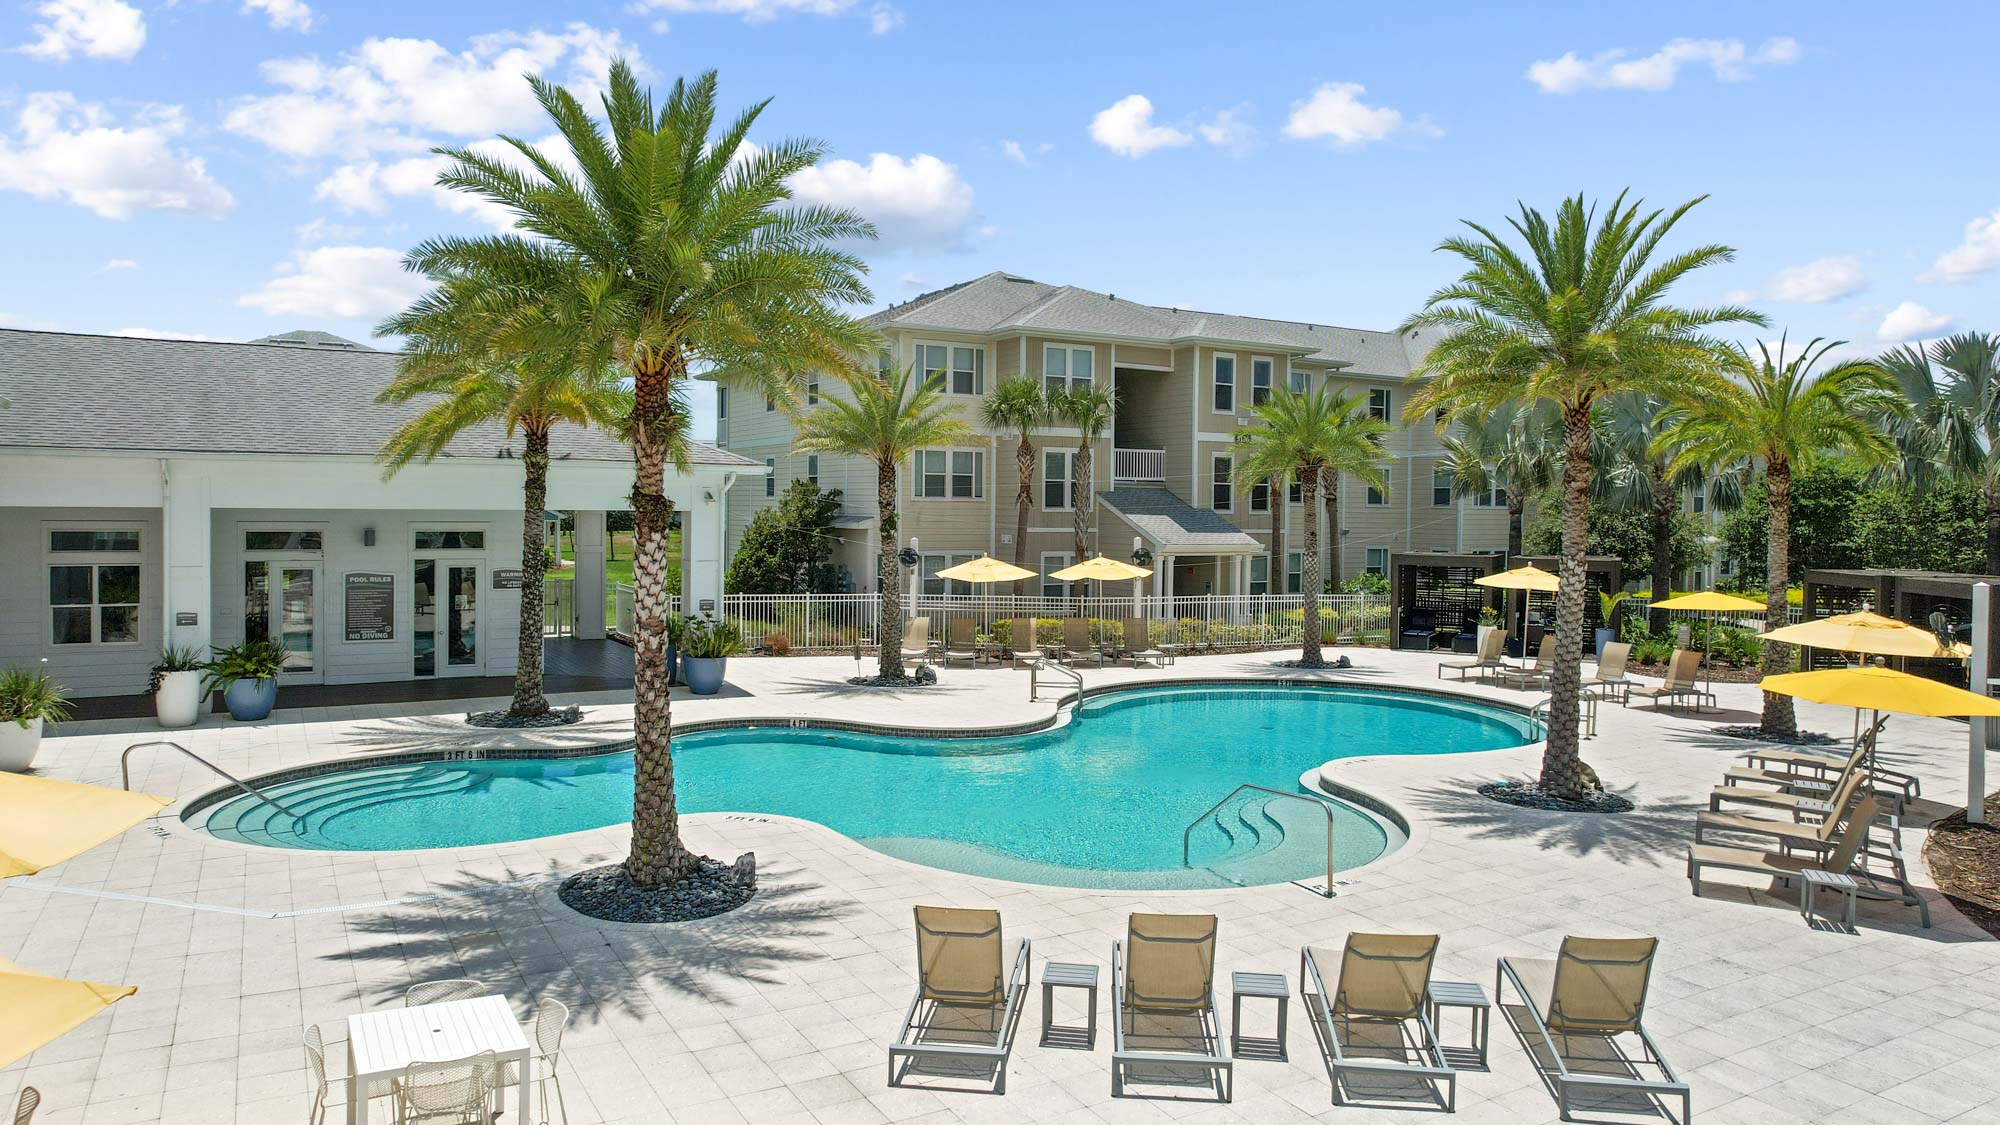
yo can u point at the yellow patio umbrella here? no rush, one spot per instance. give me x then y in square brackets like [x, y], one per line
[35, 1009]
[1529, 578]
[985, 570]
[44, 821]
[1883, 689]
[1712, 602]
[1866, 632]
[1101, 569]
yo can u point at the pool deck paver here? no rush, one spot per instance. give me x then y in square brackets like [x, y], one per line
[781, 1011]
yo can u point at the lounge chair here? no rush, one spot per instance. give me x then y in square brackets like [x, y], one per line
[1813, 802]
[1487, 658]
[1849, 857]
[1164, 1025]
[1593, 992]
[1610, 672]
[1541, 672]
[1077, 645]
[964, 641]
[1679, 684]
[1138, 645]
[1021, 640]
[1375, 1033]
[961, 1022]
[917, 640]
[1805, 768]
[1791, 832]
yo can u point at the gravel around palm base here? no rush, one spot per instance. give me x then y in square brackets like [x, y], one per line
[554, 717]
[606, 893]
[1531, 796]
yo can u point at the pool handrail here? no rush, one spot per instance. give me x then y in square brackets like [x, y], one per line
[1068, 672]
[125, 771]
[1187, 834]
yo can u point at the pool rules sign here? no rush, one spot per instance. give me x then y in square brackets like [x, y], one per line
[371, 607]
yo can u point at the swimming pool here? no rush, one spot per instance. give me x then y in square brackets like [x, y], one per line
[1099, 802]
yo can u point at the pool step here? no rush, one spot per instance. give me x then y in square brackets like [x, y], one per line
[318, 801]
[1261, 838]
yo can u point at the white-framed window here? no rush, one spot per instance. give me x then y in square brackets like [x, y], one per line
[1225, 384]
[1261, 370]
[812, 389]
[1378, 561]
[1295, 572]
[1495, 497]
[885, 361]
[721, 401]
[1295, 492]
[1725, 567]
[1379, 497]
[933, 562]
[1058, 478]
[436, 539]
[959, 369]
[1222, 475]
[1052, 561]
[1441, 481]
[770, 476]
[812, 468]
[1700, 502]
[1300, 380]
[1379, 403]
[950, 474]
[770, 404]
[94, 585]
[306, 539]
[1066, 369]
[1260, 496]
[1260, 574]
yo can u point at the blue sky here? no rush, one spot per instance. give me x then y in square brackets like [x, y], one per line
[227, 169]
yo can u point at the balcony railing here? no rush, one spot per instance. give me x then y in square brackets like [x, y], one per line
[1139, 465]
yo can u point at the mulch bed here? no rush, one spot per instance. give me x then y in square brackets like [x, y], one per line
[1964, 861]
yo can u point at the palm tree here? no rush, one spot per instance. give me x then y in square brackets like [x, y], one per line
[1638, 471]
[478, 358]
[1781, 413]
[1018, 406]
[893, 415]
[1329, 487]
[1513, 448]
[1581, 316]
[1310, 435]
[1952, 428]
[1090, 409]
[666, 244]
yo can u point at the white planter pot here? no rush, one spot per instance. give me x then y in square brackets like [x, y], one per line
[18, 744]
[178, 701]
[1483, 630]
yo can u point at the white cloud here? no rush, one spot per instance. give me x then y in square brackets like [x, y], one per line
[921, 203]
[100, 29]
[884, 18]
[1336, 111]
[319, 232]
[75, 151]
[1909, 320]
[910, 281]
[1979, 253]
[1126, 128]
[396, 94]
[285, 15]
[1020, 154]
[1816, 282]
[169, 334]
[117, 265]
[347, 282]
[11, 320]
[1229, 128]
[1728, 59]
[368, 186]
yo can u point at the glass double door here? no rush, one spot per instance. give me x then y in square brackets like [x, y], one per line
[445, 624]
[281, 602]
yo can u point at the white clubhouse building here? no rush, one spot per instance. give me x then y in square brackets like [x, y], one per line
[158, 492]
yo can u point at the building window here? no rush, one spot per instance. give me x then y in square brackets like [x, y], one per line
[1700, 502]
[1491, 498]
[1725, 567]
[812, 389]
[950, 474]
[1054, 589]
[770, 476]
[1223, 473]
[284, 540]
[770, 404]
[1260, 496]
[721, 401]
[1260, 381]
[1066, 369]
[450, 540]
[959, 370]
[1378, 560]
[94, 587]
[885, 361]
[1378, 404]
[812, 468]
[1441, 487]
[1295, 572]
[1295, 493]
[1225, 384]
[1300, 380]
[1260, 574]
[932, 563]
[1379, 497]
[1058, 473]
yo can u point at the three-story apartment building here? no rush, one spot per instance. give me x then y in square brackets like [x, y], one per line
[1164, 474]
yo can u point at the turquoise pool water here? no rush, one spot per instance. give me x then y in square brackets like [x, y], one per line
[1100, 802]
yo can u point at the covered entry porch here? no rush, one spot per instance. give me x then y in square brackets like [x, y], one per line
[1194, 552]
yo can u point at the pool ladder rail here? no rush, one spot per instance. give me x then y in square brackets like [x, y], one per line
[1187, 834]
[125, 771]
[1068, 673]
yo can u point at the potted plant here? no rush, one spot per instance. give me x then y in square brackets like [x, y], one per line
[677, 631]
[1489, 620]
[176, 685]
[29, 700]
[247, 675]
[705, 653]
[1607, 631]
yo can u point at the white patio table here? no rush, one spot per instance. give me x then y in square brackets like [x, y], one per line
[381, 1044]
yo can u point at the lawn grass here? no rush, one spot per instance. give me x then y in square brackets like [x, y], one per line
[617, 567]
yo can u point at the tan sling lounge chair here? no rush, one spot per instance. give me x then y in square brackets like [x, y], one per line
[1139, 646]
[1021, 640]
[1580, 1004]
[917, 640]
[1484, 661]
[1375, 1032]
[1791, 831]
[1540, 672]
[1680, 682]
[1848, 859]
[1164, 1027]
[961, 1022]
[964, 641]
[1610, 672]
[1077, 645]
[1804, 769]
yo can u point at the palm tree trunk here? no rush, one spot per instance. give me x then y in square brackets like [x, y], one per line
[1993, 526]
[888, 580]
[1024, 461]
[1274, 569]
[1562, 767]
[1517, 507]
[529, 701]
[1309, 580]
[1079, 500]
[1333, 567]
[1779, 717]
[658, 856]
[1665, 504]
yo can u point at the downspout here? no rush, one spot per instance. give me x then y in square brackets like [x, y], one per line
[166, 556]
[722, 544]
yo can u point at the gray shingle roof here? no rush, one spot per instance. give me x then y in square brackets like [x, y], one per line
[1004, 303]
[69, 391]
[1172, 522]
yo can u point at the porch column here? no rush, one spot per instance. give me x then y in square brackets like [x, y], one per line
[701, 580]
[589, 570]
[185, 557]
[1164, 585]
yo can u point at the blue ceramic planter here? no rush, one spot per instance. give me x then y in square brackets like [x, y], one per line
[250, 700]
[704, 673]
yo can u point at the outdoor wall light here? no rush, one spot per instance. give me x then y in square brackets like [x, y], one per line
[707, 497]
[367, 537]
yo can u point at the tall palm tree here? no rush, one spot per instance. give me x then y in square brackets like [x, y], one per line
[1513, 447]
[1781, 413]
[1090, 408]
[667, 243]
[1329, 488]
[1578, 314]
[1274, 563]
[1638, 471]
[1953, 425]
[1310, 435]
[1017, 406]
[479, 358]
[893, 415]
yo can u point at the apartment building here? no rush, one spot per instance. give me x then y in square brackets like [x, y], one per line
[1165, 473]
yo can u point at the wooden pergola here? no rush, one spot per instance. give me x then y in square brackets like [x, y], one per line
[1437, 587]
[1906, 595]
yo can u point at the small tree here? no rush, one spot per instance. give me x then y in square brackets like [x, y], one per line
[1090, 409]
[788, 549]
[1017, 406]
